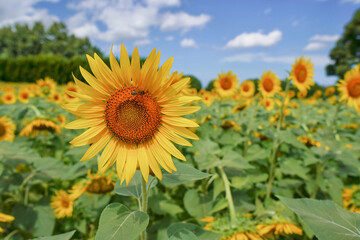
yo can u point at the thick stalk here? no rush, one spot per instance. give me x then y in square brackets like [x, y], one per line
[144, 205]
[276, 143]
[229, 198]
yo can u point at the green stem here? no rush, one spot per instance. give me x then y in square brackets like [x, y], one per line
[276, 143]
[144, 204]
[228, 197]
[8, 237]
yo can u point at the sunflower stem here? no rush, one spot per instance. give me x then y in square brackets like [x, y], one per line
[229, 198]
[276, 143]
[144, 204]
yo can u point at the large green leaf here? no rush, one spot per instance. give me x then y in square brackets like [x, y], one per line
[118, 222]
[64, 236]
[197, 204]
[45, 222]
[197, 231]
[288, 137]
[327, 220]
[184, 174]
[134, 187]
[183, 234]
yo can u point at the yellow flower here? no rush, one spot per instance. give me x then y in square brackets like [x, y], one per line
[247, 89]
[8, 98]
[302, 94]
[40, 126]
[239, 108]
[349, 88]
[7, 129]
[62, 204]
[226, 84]
[302, 74]
[208, 219]
[208, 99]
[281, 228]
[62, 120]
[70, 87]
[230, 124]
[55, 97]
[329, 91]
[5, 218]
[243, 236]
[45, 87]
[353, 126]
[308, 141]
[268, 104]
[269, 84]
[24, 95]
[133, 113]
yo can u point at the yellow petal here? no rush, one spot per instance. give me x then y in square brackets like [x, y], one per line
[135, 67]
[125, 66]
[143, 162]
[179, 111]
[182, 131]
[179, 121]
[131, 163]
[174, 137]
[84, 123]
[166, 144]
[86, 137]
[120, 161]
[106, 154]
[96, 147]
[153, 163]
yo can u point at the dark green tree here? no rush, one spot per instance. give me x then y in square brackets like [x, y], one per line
[346, 53]
[22, 40]
[210, 85]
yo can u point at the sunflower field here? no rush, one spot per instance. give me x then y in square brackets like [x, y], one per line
[133, 152]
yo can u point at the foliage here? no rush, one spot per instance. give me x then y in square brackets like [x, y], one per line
[194, 82]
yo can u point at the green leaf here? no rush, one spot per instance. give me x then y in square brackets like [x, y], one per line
[327, 220]
[293, 166]
[207, 153]
[64, 236]
[289, 138]
[197, 204]
[118, 222]
[197, 231]
[183, 234]
[134, 187]
[162, 204]
[185, 173]
[45, 222]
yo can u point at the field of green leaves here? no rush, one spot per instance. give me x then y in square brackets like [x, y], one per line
[285, 166]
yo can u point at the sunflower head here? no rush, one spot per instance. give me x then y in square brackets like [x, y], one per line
[268, 104]
[133, 113]
[7, 129]
[329, 91]
[302, 94]
[302, 74]
[269, 84]
[38, 126]
[208, 99]
[247, 89]
[45, 87]
[24, 95]
[99, 183]
[8, 97]
[62, 204]
[349, 87]
[226, 84]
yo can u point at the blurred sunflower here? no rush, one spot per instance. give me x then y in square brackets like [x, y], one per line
[62, 120]
[268, 104]
[302, 94]
[8, 97]
[70, 86]
[63, 204]
[278, 229]
[269, 84]
[40, 126]
[133, 113]
[208, 99]
[302, 74]
[329, 91]
[55, 97]
[45, 87]
[309, 142]
[7, 129]
[24, 94]
[247, 89]
[5, 218]
[349, 87]
[226, 84]
[351, 198]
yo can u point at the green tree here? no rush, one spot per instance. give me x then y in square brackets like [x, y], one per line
[22, 40]
[346, 53]
[194, 82]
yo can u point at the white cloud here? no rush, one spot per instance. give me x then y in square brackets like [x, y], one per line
[142, 42]
[20, 11]
[182, 21]
[119, 20]
[188, 42]
[255, 39]
[169, 38]
[295, 23]
[267, 11]
[325, 38]
[313, 46]
[352, 1]
[318, 60]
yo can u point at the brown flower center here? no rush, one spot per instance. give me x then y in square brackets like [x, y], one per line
[353, 87]
[132, 115]
[246, 87]
[225, 83]
[101, 185]
[268, 84]
[301, 73]
[25, 95]
[2, 130]
[65, 203]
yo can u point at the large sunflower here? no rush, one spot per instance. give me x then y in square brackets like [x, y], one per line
[7, 129]
[247, 89]
[349, 87]
[302, 74]
[226, 84]
[133, 113]
[269, 84]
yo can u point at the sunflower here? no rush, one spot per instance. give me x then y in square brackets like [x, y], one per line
[302, 94]
[226, 84]
[227, 124]
[62, 120]
[349, 87]
[40, 126]
[243, 236]
[8, 97]
[133, 113]
[269, 84]
[63, 204]
[247, 89]
[7, 129]
[5, 218]
[302, 74]
[71, 87]
[45, 87]
[280, 228]
[268, 104]
[208, 99]
[24, 95]
[317, 93]
[329, 91]
[55, 97]
[308, 141]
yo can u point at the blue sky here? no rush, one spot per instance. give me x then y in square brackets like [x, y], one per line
[205, 37]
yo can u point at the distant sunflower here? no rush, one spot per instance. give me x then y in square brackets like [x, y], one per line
[349, 87]
[55, 97]
[208, 99]
[247, 89]
[302, 74]
[45, 87]
[269, 84]
[329, 91]
[7, 129]
[8, 97]
[70, 86]
[63, 204]
[226, 84]
[5, 218]
[40, 126]
[277, 229]
[133, 113]
[24, 95]
[302, 94]
[268, 104]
